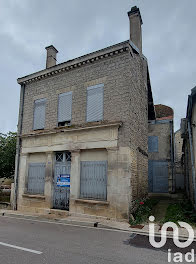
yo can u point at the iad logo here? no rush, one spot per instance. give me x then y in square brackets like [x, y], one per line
[178, 257]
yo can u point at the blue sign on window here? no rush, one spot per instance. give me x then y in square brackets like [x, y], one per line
[63, 180]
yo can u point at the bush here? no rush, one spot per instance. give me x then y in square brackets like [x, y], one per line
[143, 211]
[181, 211]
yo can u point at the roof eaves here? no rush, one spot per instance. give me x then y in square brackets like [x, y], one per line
[77, 62]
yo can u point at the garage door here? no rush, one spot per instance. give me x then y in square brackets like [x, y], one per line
[158, 176]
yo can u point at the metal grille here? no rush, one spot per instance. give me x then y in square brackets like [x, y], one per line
[39, 114]
[65, 107]
[61, 195]
[152, 144]
[93, 180]
[36, 178]
[59, 157]
[95, 103]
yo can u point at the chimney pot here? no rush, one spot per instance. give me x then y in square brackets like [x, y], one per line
[135, 20]
[51, 56]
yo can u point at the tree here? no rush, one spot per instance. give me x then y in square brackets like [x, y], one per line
[7, 154]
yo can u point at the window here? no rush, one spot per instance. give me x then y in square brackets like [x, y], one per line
[64, 108]
[36, 178]
[39, 114]
[95, 103]
[93, 180]
[63, 156]
[152, 144]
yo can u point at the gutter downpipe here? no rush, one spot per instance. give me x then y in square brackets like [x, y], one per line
[18, 146]
[192, 161]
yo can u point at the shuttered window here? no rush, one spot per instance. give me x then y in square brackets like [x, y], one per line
[93, 180]
[36, 178]
[65, 107]
[152, 144]
[39, 114]
[95, 103]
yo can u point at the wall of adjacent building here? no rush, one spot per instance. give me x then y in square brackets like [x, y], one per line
[162, 129]
[179, 173]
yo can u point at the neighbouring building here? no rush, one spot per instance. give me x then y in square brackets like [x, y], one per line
[179, 173]
[161, 151]
[188, 133]
[83, 131]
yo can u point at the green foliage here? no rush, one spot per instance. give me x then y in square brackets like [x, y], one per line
[143, 211]
[174, 213]
[181, 211]
[7, 154]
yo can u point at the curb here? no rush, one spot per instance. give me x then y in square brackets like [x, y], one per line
[58, 220]
[84, 224]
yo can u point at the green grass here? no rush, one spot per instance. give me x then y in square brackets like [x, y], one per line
[181, 211]
[143, 211]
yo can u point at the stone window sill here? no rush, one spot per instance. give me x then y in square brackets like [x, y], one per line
[36, 196]
[91, 201]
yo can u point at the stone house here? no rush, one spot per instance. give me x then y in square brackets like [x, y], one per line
[188, 133]
[83, 131]
[161, 177]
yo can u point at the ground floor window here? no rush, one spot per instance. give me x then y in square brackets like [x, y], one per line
[93, 180]
[36, 178]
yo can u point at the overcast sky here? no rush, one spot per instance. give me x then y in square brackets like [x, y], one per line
[77, 27]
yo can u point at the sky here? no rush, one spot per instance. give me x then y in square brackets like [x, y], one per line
[77, 27]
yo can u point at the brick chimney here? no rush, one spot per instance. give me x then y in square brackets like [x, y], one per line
[51, 56]
[135, 20]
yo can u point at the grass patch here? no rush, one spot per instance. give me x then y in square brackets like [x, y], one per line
[143, 211]
[181, 211]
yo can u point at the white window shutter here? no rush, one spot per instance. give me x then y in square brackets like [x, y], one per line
[39, 114]
[95, 103]
[65, 107]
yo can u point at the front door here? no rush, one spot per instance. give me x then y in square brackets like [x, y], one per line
[62, 180]
[158, 176]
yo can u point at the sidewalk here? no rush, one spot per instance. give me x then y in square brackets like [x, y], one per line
[86, 221]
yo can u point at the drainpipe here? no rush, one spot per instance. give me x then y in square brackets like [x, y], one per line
[18, 145]
[192, 161]
[172, 155]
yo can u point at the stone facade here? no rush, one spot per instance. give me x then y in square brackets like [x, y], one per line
[120, 139]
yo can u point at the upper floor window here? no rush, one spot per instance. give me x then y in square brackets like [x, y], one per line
[39, 114]
[152, 144]
[64, 108]
[95, 103]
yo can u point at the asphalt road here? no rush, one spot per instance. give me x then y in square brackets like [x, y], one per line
[30, 242]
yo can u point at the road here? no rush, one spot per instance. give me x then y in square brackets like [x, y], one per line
[29, 242]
